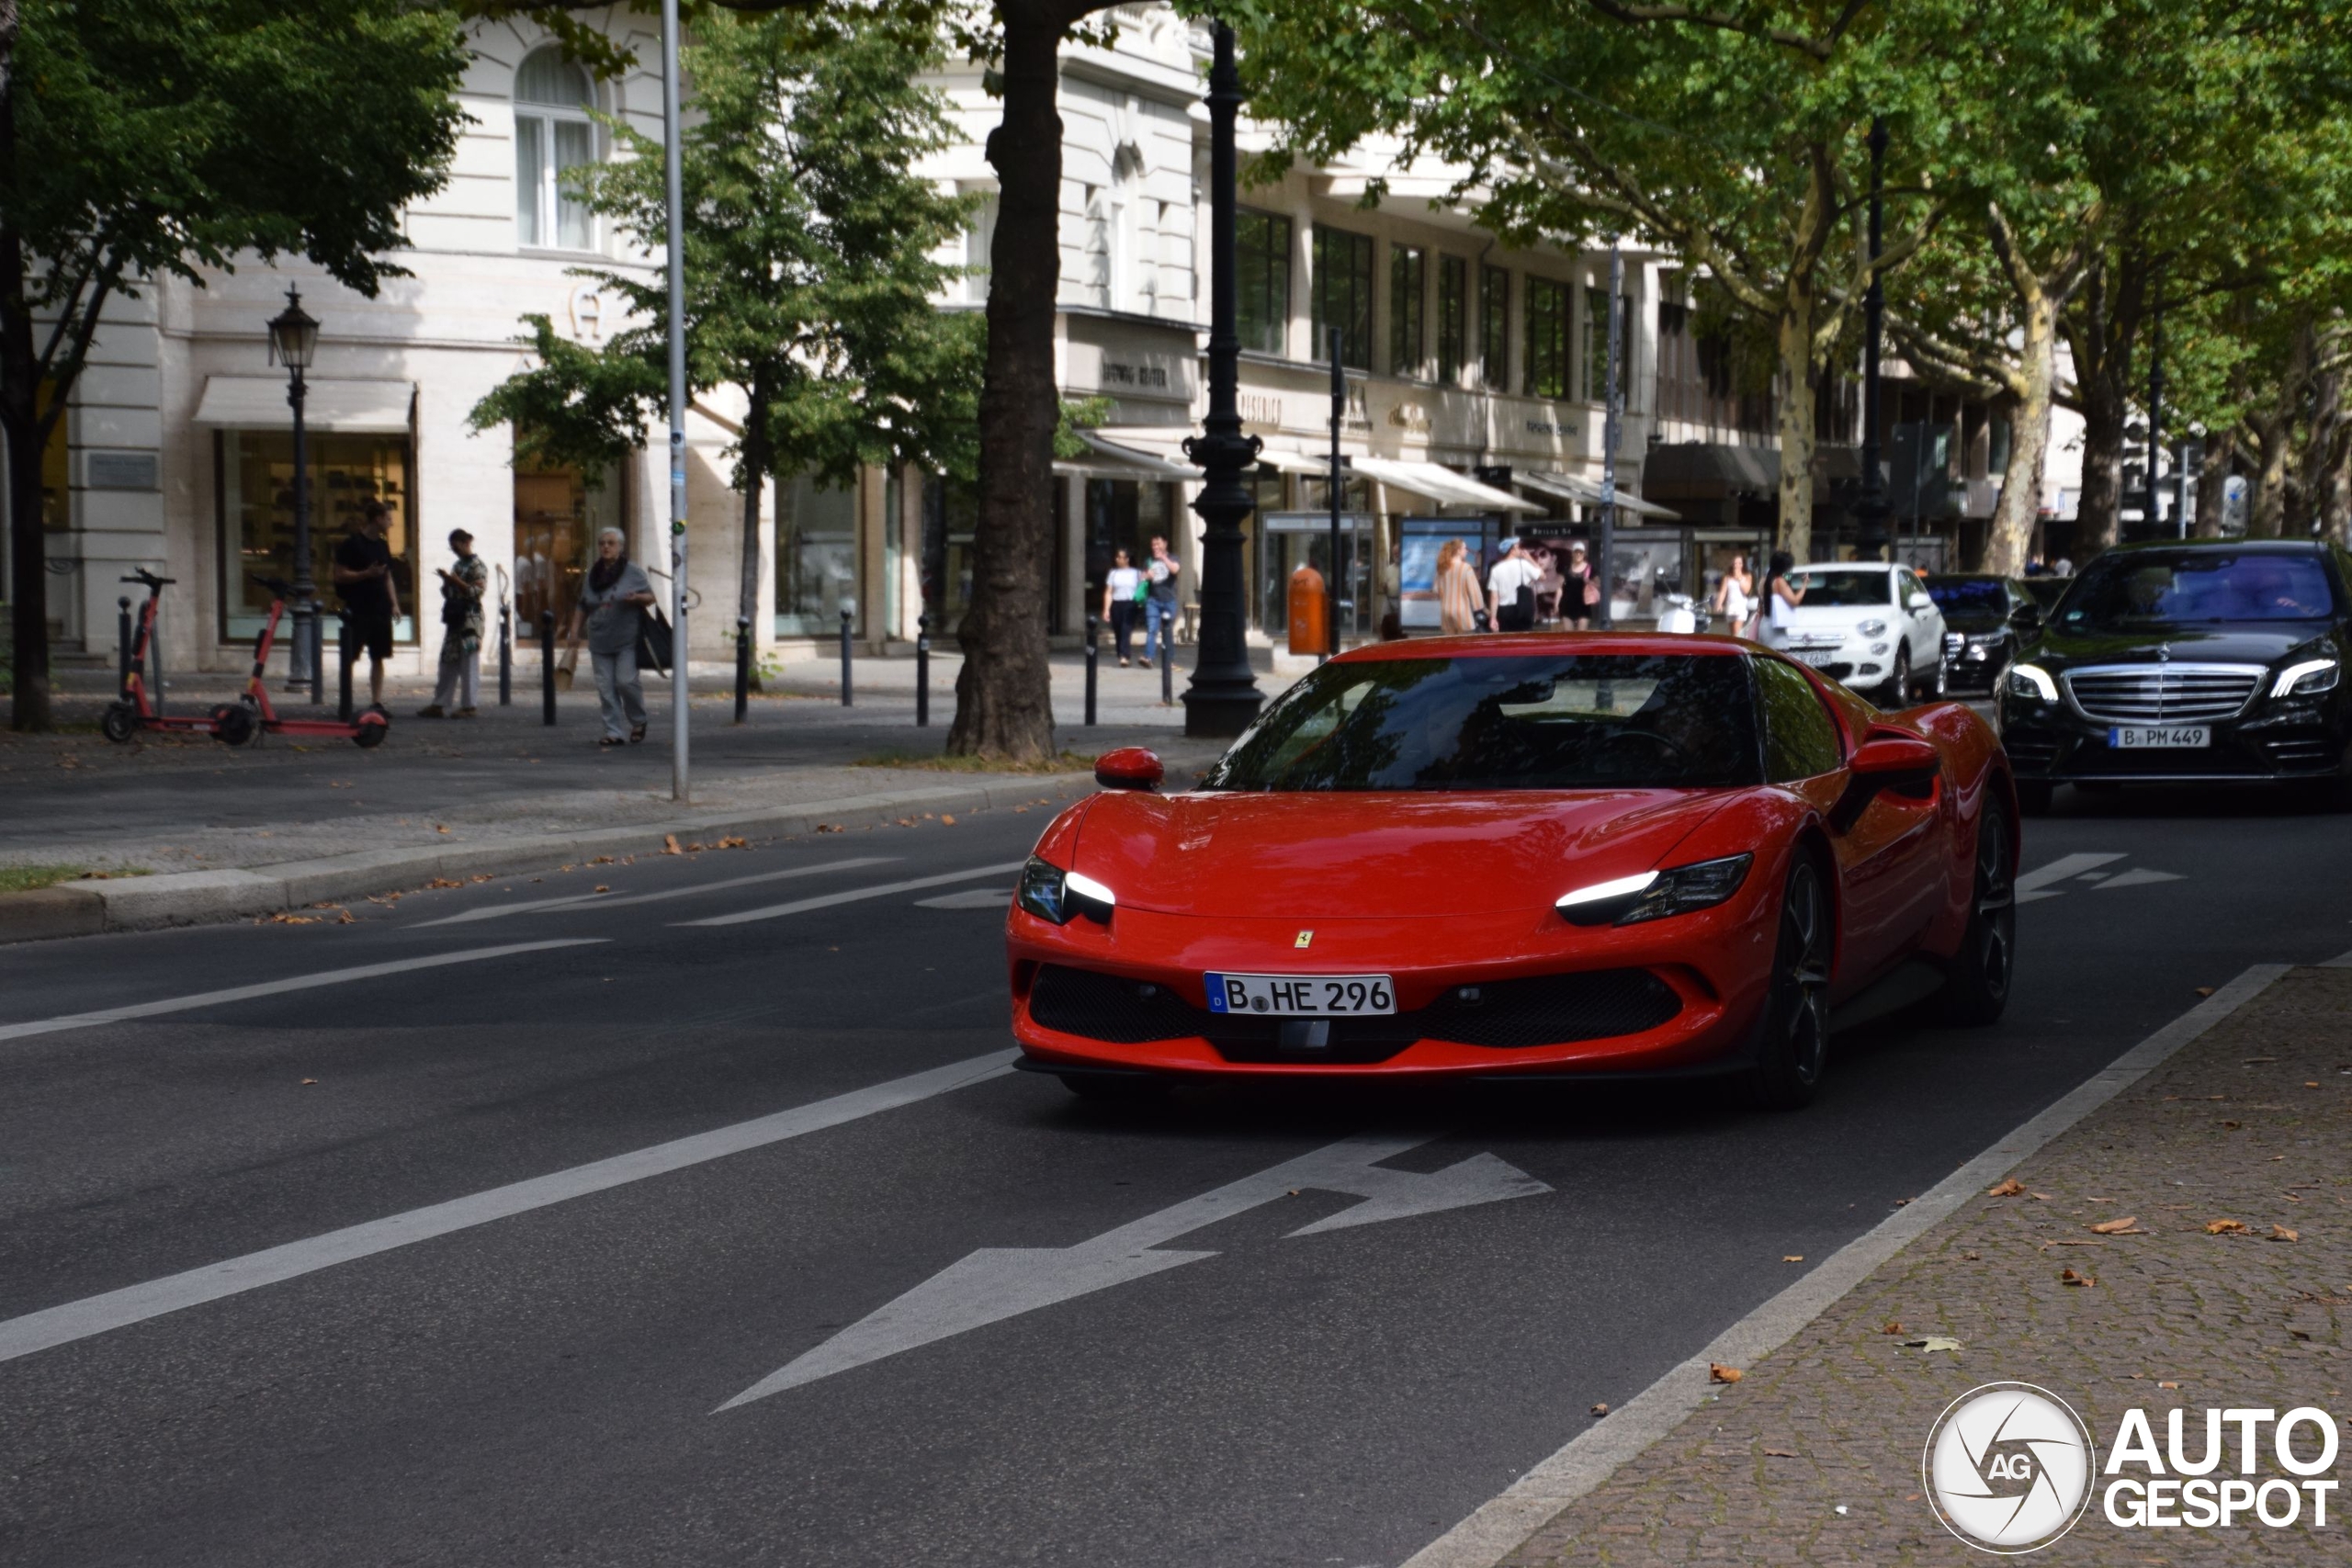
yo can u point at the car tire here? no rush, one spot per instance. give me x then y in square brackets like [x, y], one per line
[2033, 796]
[1794, 1038]
[1977, 982]
[1896, 693]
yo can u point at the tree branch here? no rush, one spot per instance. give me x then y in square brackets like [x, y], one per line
[1725, 21]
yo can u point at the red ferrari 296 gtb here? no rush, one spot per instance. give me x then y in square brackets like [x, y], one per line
[1582, 855]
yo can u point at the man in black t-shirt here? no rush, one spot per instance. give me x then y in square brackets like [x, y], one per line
[363, 578]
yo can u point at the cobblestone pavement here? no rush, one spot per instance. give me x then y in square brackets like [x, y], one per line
[1814, 1456]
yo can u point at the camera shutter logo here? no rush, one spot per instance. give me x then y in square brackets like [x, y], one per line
[2008, 1468]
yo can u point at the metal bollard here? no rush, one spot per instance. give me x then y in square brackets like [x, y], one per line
[922, 670]
[348, 656]
[547, 666]
[1093, 629]
[123, 638]
[318, 663]
[742, 667]
[1167, 668]
[505, 655]
[845, 658]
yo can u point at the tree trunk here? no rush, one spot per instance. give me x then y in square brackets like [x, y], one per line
[1005, 692]
[2323, 443]
[2009, 540]
[2272, 446]
[20, 423]
[2101, 325]
[2214, 483]
[2098, 515]
[1793, 382]
[752, 472]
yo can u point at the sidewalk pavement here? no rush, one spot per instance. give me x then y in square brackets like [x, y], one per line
[220, 832]
[2233, 1290]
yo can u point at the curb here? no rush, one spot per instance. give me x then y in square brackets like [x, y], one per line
[192, 898]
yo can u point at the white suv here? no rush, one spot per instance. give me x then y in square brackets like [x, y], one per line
[1869, 625]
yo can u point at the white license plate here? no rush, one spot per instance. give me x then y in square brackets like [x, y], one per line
[1301, 995]
[2138, 736]
[1816, 657]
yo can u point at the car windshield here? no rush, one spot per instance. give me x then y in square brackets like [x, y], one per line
[1591, 721]
[2151, 588]
[1833, 590]
[1968, 595]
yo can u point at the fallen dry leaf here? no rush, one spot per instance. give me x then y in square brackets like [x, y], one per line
[2250, 1061]
[1793, 1257]
[602, 860]
[478, 876]
[732, 842]
[1970, 1258]
[2204, 990]
[602, 888]
[443, 882]
[1602, 1409]
[2280, 1232]
[2231, 1127]
[1891, 1326]
[2167, 1385]
[2118, 1228]
[947, 821]
[310, 1080]
[669, 844]
[2224, 1228]
[1718, 1372]
[830, 828]
[1782, 1453]
[1932, 1343]
[2010, 1189]
[2068, 1277]
[438, 828]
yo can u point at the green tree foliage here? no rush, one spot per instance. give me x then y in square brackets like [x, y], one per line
[141, 138]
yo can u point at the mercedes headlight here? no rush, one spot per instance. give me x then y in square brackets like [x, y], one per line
[1872, 628]
[1654, 895]
[2308, 679]
[2032, 681]
[1052, 894]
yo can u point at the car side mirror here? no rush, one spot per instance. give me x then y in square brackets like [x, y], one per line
[1129, 767]
[2027, 617]
[1888, 762]
[1921, 601]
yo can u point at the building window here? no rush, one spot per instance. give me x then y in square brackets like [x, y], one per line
[1680, 387]
[1408, 271]
[1547, 364]
[980, 246]
[552, 135]
[1133, 281]
[1494, 327]
[1596, 345]
[1262, 255]
[1344, 295]
[1453, 316]
[56, 467]
[257, 521]
[816, 557]
[951, 518]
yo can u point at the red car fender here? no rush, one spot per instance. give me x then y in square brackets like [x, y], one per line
[1774, 825]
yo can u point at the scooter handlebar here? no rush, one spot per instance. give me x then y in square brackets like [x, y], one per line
[141, 575]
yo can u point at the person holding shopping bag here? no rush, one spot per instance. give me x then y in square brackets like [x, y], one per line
[614, 596]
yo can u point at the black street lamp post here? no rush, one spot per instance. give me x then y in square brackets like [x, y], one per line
[1869, 512]
[2155, 399]
[1338, 485]
[293, 342]
[1222, 697]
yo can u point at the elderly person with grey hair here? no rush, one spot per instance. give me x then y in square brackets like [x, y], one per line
[614, 597]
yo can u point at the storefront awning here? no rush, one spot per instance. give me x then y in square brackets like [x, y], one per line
[1584, 492]
[1431, 480]
[1110, 460]
[259, 402]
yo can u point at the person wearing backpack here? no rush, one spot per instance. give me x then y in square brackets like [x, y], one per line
[1123, 596]
[1511, 587]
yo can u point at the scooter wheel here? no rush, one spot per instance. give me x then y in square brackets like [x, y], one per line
[370, 731]
[118, 723]
[233, 724]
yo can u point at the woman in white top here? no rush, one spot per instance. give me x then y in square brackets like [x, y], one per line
[1780, 599]
[1736, 596]
[1122, 590]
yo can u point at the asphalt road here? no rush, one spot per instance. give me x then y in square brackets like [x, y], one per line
[1147, 1363]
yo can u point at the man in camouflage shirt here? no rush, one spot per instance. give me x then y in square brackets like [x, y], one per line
[461, 595]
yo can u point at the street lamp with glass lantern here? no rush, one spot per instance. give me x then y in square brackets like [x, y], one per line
[294, 343]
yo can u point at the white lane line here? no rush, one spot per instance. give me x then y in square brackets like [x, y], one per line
[970, 898]
[2036, 884]
[274, 987]
[136, 1304]
[1504, 1523]
[883, 891]
[606, 901]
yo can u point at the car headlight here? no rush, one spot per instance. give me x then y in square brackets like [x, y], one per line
[1052, 894]
[1988, 639]
[2032, 681]
[2308, 679]
[1872, 628]
[1654, 895]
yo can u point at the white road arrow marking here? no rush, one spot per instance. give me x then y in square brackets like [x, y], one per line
[2140, 878]
[2036, 884]
[995, 1283]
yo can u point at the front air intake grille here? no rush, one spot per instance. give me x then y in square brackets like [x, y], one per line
[1546, 1010]
[2302, 753]
[2163, 694]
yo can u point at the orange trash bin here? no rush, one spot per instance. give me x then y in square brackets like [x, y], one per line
[1309, 629]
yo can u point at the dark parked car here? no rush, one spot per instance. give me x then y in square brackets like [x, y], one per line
[2212, 660]
[2046, 590]
[1986, 620]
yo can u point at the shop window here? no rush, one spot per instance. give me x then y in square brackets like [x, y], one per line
[816, 557]
[980, 247]
[1453, 316]
[1596, 345]
[1545, 364]
[257, 520]
[1344, 295]
[558, 514]
[552, 135]
[1408, 271]
[1494, 327]
[951, 513]
[56, 471]
[1261, 268]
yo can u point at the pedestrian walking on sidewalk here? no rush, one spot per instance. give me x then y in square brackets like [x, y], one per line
[614, 597]
[461, 590]
[1159, 604]
[1123, 590]
[369, 591]
[1457, 590]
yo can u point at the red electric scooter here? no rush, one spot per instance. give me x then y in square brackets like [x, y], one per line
[237, 723]
[137, 708]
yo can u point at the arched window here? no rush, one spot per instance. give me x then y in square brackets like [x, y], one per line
[552, 133]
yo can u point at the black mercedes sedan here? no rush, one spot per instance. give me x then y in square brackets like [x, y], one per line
[1986, 620]
[2196, 660]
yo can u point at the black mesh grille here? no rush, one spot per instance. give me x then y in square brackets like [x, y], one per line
[1548, 1010]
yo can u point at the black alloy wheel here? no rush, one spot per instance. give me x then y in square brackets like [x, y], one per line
[1796, 1043]
[234, 724]
[1976, 984]
[1898, 685]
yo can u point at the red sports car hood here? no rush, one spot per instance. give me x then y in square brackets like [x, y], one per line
[1316, 855]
